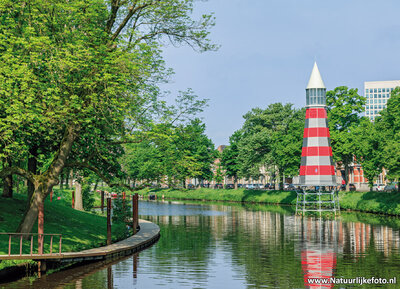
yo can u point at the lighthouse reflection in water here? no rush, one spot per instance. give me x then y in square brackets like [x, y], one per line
[318, 243]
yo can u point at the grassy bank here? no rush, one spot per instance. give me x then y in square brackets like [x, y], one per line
[80, 230]
[373, 202]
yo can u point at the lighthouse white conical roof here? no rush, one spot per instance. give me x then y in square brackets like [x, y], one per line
[315, 78]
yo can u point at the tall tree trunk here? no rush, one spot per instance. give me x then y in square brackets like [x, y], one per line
[31, 213]
[32, 167]
[61, 181]
[71, 179]
[8, 182]
[235, 182]
[78, 196]
[346, 176]
[67, 180]
[45, 182]
[97, 183]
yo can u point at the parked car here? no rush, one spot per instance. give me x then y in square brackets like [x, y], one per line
[390, 188]
[229, 186]
[257, 186]
[205, 185]
[191, 186]
[378, 187]
[249, 186]
[218, 186]
[267, 186]
[288, 187]
[352, 187]
[240, 185]
[114, 195]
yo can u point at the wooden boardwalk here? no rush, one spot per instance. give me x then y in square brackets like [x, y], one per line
[149, 233]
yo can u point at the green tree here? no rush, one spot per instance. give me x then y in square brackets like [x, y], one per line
[272, 137]
[344, 106]
[80, 73]
[389, 126]
[219, 174]
[190, 153]
[369, 149]
[229, 159]
[143, 161]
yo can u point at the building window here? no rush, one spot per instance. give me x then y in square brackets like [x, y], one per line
[374, 90]
[379, 90]
[371, 91]
[379, 95]
[375, 95]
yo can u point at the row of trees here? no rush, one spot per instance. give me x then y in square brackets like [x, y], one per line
[186, 152]
[272, 138]
[79, 79]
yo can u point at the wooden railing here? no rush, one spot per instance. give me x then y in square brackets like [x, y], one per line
[40, 242]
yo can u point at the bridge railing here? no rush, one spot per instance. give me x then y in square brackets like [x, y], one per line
[26, 236]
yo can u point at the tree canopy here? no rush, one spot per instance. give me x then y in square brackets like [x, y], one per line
[78, 77]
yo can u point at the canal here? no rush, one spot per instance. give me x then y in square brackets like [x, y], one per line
[205, 245]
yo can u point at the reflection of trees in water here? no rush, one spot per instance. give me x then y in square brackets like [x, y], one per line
[266, 247]
[186, 246]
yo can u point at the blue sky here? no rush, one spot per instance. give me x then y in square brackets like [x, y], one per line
[268, 48]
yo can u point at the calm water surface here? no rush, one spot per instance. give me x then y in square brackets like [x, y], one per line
[235, 246]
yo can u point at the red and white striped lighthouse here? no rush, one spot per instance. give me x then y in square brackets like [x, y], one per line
[317, 167]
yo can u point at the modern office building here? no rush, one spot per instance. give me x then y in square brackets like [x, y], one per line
[377, 94]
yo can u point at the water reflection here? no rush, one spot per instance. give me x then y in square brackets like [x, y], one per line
[217, 246]
[318, 241]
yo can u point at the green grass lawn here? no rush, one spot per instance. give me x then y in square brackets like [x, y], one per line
[374, 202]
[80, 230]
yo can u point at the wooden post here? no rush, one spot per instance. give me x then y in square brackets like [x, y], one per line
[102, 201]
[108, 221]
[51, 196]
[135, 212]
[73, 199]
[40, 227]
[110, 282]
[135, 265]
